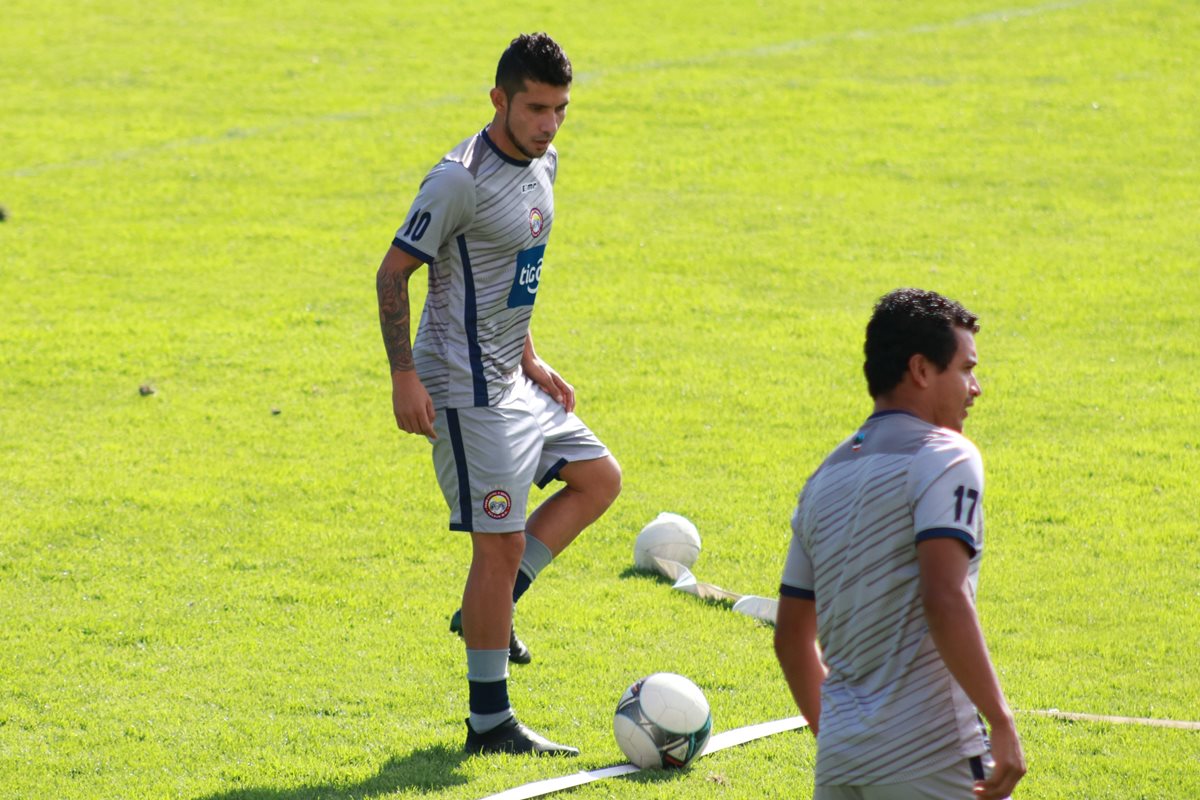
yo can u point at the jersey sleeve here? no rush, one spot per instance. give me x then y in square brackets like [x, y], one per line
[948, 494]
[797, 570]
[445, 203]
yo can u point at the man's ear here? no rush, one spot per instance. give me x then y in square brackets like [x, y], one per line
[920, 369]
[499, 99]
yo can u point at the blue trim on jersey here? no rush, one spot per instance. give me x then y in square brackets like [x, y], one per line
[948, 533]
[515, 162]
[412, 251]
[460, 464]
[799, 594]
[977, 772]
[471, 320]
[552, 473]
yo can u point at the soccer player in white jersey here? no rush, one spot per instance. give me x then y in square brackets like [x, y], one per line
[498, 416]
[877, 632]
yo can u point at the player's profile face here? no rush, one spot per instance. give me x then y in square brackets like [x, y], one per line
[532, 117]
[956, 387]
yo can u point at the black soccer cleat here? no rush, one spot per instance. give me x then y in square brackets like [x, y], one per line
[513, 737]
[518, 653]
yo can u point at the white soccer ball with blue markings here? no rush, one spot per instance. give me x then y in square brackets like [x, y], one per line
[668, 536]
[662, 722]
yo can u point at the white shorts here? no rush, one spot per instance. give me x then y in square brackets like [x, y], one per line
[956, 782]
[487, 458]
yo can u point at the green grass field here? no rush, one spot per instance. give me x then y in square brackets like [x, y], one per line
[238, 586]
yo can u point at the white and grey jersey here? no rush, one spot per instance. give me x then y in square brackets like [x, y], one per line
[890, 710]
[481, 221]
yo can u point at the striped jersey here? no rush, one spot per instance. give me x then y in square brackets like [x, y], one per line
[480, 221]
[890, 710]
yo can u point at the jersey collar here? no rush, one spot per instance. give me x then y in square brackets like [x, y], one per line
[889, 412]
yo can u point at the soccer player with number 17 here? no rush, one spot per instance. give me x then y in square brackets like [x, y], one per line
[877, 632]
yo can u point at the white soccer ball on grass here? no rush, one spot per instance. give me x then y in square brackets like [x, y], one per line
[662, 722]
[668, 536]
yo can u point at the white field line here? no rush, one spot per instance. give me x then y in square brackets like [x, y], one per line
[749, 733]
[783, 48]
[763, 51]
[1054, 713]
[719, 741]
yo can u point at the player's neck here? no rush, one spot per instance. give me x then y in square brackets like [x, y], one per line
[900, 400]
[495, 131]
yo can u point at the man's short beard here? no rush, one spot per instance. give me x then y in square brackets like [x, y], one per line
[512, 138]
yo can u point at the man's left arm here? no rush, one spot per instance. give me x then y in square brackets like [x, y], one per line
[796, 644]
[800, 656]
[544, 376]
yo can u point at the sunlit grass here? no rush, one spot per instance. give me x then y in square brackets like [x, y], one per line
[238, 586]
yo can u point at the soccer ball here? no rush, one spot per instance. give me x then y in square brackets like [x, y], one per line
[668, 536]
[662, 722]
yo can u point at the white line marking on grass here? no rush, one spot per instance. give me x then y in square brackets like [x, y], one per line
[1075, 717]
[232, 134]
[763, 51]
[782, 48]
[749, 733]
[719, 741]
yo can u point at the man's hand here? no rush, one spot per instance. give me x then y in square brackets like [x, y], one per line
[551, 382]
[1009, 767]
[411, 404]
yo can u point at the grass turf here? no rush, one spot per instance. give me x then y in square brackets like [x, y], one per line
[203, 598]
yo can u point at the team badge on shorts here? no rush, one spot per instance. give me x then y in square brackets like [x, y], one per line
[497, 504]
[535, 222]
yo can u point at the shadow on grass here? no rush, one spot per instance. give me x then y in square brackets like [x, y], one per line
[638, 572]
[427, 770]
[652, 775]
[657, 577]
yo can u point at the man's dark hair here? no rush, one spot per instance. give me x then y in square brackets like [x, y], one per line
[532, 57]
[907, 322]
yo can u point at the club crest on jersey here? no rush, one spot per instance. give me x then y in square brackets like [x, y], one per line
[535, 222]
[497, 504]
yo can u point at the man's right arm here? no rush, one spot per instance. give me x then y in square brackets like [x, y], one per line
[411, 403]
[954, 626]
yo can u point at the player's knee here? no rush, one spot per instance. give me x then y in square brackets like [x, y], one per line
[598, 481]
[608, 483]
[498, 551]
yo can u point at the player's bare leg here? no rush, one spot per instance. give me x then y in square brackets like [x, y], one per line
[487, 606]
[483, 593]
[591, 487]
[487, 625]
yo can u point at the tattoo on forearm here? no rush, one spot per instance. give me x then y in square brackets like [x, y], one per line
[394, 314]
